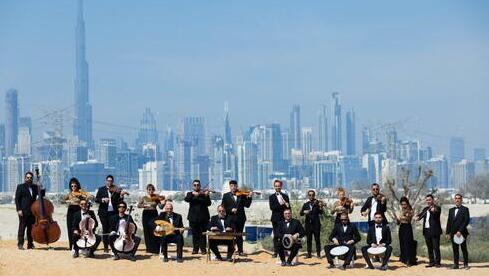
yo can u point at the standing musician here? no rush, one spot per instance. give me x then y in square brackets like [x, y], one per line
[222, 223]
[346, 234]
[73, 199]
[149, 203]
[234, 205]
[198, 215]
[343, 204]
[107, 197]
[458, 220]
[379, 235]
[115, 223]
[278, 202]
[407, 243]
[376, 203]
[25, 195]
[176, 237]
[312, 209]
[77, 232]
[431, 230]
[289, 226]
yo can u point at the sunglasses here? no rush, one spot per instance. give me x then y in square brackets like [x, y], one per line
[121, 207]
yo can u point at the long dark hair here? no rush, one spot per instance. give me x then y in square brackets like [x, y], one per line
[405, 199]
[77, 183]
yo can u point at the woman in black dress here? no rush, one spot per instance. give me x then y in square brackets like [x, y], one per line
[407, 243]
[149, 203]
[73, 200]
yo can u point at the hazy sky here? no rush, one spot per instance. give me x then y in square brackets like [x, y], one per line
[423, 60]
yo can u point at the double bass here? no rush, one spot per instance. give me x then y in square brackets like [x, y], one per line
[87, 237]
[45, 230]
[125, 242]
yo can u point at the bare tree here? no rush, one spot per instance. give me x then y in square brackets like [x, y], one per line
[479, 187]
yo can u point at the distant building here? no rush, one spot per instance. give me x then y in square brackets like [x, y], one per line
[351, 141]
[295, 128]
[91, 174]
[194, 132]
[11, 121]
[306, 140]
[107, 152]
[24, 141]
[463, 173]
[325, 174]
[480, 154]
[336, 122]
[323, 132]
[152, 172]
[439, 166]
[53, 177]
[457, 150]
[14, 169]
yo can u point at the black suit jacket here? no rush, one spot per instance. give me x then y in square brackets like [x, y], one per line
[229, 221]
[313, 220]
[295, 227]
[386, 235]
[240, 203]
[459, 222]
[435, 225]
[380, 208]
[198, 210]
[177, 220]
[77, 219]
[277, 209]
[342, 237]
[114, 222]
[23, 198]
[103, 206]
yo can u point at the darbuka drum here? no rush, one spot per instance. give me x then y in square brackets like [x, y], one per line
[458, 240]
[339, 250]
[287, 241]
[376, 251]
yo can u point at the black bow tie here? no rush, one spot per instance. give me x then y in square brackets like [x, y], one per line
[378, 226]
[457, 208]
[85, 213]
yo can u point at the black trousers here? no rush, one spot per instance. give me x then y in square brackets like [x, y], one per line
[152, 243]
[456, 253]
[105, 221]
[199, 240]
[72, 209]
[347, 257]
[433, 245]
[316, 233]
[293, 252]
[92, 249]
[173, 238]
[25, 223]
[385, 259]
[276, 240]
[137, 241]
[239, 239]
[213, 246]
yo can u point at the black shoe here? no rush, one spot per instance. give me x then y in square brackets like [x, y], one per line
[91, 255]
[106, 250]
[383, 268]
[75, 255]
[20, 247]
[241, 254]
[116, 257]
[283, 264]
[437, 265]
[343, 267]
[454, 267]
[466, 266]
[195, 252]
[165, 259]
[31, 246]
[369, 267]
[179, 260]
[331, 266]
[308, 256]
[430, 265]
[319, 256]
[132, 258]
[290, 264]
[219, 259]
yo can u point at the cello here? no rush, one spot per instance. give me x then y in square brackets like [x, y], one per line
[45, 230]
[87, 237]
[125, 243]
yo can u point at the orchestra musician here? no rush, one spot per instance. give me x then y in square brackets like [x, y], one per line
[431, 230]
[312, 209]
[222, 223]
[176, 237]
[235, 205]
[458, 220]
[343, 204]
[376, 203]
[379, 235]
[198, 215]
[107, 197]
[83, 213]
[278, 202]
[289, 226]
[73, 199]
[25, 195]
[149, 203]
[115, 222]
[407, 244]
[346, 234]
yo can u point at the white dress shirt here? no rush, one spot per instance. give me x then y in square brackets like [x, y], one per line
[344, 228]
[427, 222]
[223, 226]
[110, 208]
[378, 234]
[456, 211]
[373, 208]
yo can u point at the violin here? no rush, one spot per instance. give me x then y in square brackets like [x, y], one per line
[125, 242]
[45, 230]
[87, 237]
[346, 202]
[205, 191]
[246, 193]
[157, 198]
[116, 189]
[74, 197]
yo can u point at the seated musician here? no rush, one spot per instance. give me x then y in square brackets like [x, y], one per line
[78, 233]
[115, 222]
[222, 223]
[346, 234]
[379, 235]
[176, 237]
[293, 227]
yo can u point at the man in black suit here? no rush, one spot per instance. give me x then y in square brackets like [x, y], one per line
[278, 202]
[234, 206]
[431, 230]
[376, 203]
[176, 237]
[458, 220]
[344, 233]
[25, 195]
[114, 231]
[198, 215]
[379, 235]
[293, 227]
[312, 209]
[222, 223]
[77, 231]
[107, 197]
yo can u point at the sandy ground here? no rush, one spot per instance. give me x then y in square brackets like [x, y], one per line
[58, 261]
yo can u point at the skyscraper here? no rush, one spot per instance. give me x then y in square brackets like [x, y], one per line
[336, 129]
[11, 121]
[306, 141]
[323, 129]
[227, 126]
[350, 132]
[480, 154]
[295, 128]
[82, 124]
[147, 134]
[194, 132]
[457, 150]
